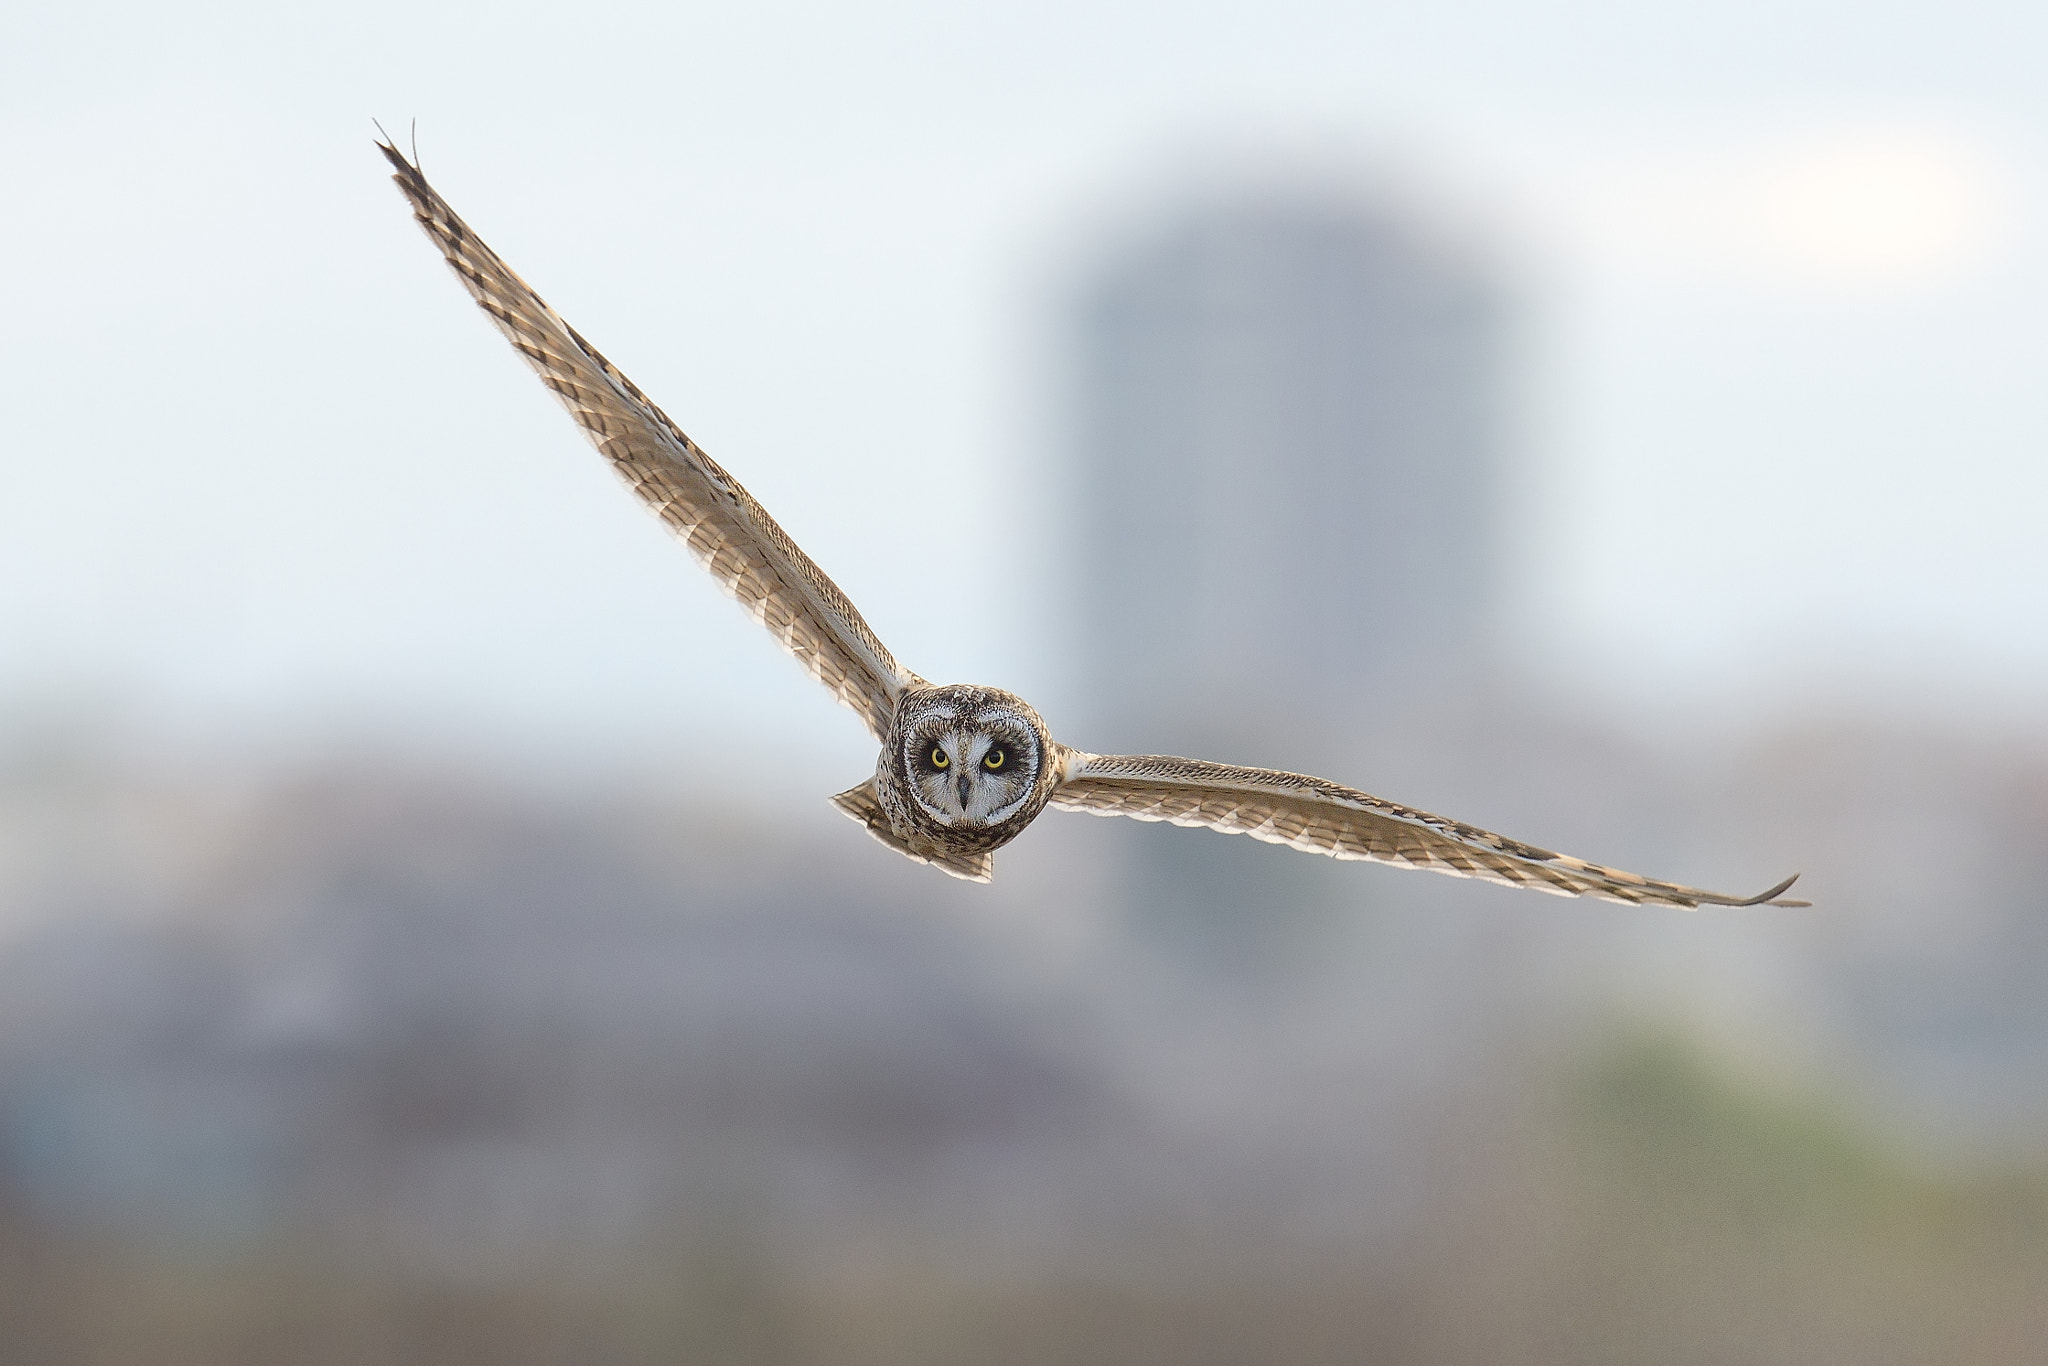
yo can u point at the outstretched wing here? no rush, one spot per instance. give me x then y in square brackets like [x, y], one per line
[730, 533]
[1323, 818]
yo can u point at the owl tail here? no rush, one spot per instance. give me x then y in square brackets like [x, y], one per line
[861, 804]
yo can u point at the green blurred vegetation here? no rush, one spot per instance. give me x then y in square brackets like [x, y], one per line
[1643, 1204]
[1714, 1217]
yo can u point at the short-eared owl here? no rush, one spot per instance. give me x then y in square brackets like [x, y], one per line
[964, 769]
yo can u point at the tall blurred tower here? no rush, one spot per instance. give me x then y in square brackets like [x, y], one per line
[1286, 488]
[1287, 471]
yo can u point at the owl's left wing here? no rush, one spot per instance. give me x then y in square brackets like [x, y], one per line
[1321, 817]
[730, 534]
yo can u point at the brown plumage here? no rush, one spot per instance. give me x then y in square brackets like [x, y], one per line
[1320, 817]
[730, 534]
[963, 770]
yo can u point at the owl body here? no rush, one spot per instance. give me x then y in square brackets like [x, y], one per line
[963, 769]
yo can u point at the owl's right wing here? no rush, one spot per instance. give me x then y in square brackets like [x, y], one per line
[1321, 817]
[731, 535]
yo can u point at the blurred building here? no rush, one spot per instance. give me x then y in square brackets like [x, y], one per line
[1288, 458]
[1288, 450]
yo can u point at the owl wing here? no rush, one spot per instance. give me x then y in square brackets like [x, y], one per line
[1320, 817]
[731, 535]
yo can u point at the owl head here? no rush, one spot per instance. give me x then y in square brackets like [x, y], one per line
[970, 759]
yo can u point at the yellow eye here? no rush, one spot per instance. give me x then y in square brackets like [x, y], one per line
[938, 757]
[994, 760]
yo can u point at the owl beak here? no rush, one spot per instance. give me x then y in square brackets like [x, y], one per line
[965, 787]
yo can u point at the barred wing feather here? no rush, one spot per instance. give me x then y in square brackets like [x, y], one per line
[1321, 817]
[731, 535]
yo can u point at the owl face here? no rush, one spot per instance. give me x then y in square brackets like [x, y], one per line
[970, 761]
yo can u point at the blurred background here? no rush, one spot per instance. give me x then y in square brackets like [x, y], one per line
[424, 936]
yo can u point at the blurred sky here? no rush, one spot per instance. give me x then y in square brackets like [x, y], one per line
[266, 473]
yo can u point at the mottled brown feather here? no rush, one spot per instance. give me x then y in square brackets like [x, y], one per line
[729, 533]
[1321, 817]
[863, 805]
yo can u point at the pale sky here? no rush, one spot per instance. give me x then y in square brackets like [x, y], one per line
[266, 474]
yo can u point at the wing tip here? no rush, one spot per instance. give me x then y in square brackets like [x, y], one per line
[1776, 896]
[388, 145]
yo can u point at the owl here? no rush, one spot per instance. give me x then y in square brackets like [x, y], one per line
[964, 769]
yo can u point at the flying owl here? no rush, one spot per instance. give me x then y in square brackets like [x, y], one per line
[964, 769]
